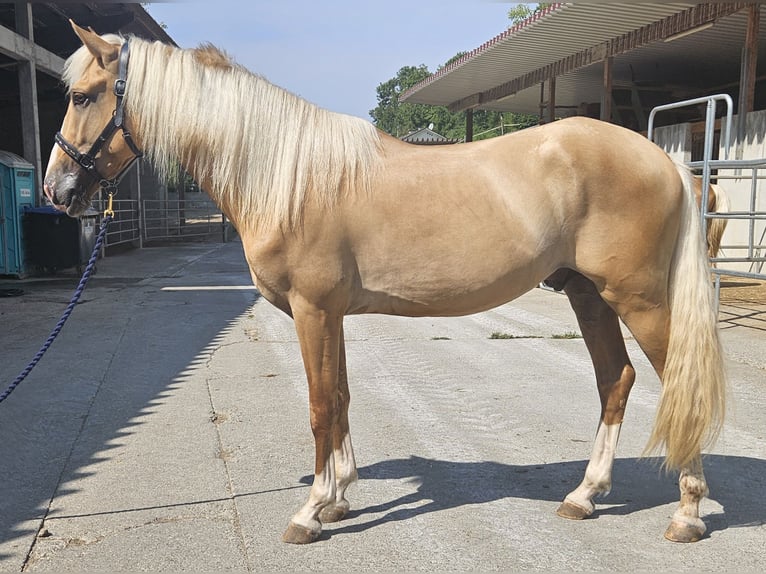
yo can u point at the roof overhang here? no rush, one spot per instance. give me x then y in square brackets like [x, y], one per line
[682, 45]
[53, 39]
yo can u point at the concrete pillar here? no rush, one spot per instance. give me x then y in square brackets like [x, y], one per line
[30, 123]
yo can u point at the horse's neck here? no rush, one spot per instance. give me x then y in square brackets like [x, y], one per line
[258, 150]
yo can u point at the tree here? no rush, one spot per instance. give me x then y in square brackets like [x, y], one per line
[400, 118]
[395, 117]
[520, 12]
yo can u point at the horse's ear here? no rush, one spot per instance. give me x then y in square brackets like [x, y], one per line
[104, 52]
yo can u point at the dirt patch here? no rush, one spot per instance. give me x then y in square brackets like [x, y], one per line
[736, 290]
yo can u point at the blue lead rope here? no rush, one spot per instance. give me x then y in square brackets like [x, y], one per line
[75, 298]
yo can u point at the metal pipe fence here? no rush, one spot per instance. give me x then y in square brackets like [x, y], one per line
[163, 220]
[750, 255]
[754, 250]
[124, 227]
[169, 220]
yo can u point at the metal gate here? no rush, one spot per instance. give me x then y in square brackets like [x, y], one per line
[167, 220]
[749, 255]
[164, 220]
[125, 225]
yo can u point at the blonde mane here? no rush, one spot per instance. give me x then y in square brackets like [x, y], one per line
[261, 150]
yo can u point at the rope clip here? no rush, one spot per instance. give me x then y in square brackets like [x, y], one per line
[109, 212]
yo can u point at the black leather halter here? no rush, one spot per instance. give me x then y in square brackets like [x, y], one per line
[87, 161]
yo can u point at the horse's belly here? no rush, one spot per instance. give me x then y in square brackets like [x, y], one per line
[454, 247]
[444, 292]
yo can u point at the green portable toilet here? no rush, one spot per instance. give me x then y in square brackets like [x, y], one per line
[17, 191]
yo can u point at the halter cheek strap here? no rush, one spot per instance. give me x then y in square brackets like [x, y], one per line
[87, 161]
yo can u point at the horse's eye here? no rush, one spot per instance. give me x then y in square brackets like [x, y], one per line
[79, 99]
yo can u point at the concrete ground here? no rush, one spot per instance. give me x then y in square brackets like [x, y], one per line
[167, 430]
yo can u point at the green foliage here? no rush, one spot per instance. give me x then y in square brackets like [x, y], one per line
[520, 12]
[400, 118]
[500, 335]
[567, 335]
[391, 115]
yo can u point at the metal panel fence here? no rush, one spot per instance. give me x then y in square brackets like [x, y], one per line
[751, 250]
[125, 225]
[163, 220]
[167, 220]
[745, 258]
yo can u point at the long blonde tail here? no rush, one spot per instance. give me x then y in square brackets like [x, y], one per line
[717, 226]
[692, 405]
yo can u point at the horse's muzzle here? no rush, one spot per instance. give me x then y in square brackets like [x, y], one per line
[67, 195]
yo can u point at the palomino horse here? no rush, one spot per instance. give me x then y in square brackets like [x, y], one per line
[337, 218]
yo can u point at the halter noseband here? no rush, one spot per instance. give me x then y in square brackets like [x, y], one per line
[87, 161]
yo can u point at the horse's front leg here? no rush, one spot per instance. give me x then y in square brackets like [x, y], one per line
[319, 333]
[345, 464]
[686, 524]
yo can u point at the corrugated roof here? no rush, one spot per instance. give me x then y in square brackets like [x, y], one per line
[566, 29]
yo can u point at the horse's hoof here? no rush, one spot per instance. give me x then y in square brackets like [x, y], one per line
[572, 511]
[297, 534]
[682, 531]
[334, 512]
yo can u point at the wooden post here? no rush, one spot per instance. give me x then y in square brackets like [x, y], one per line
[606, 93]
[749, 63]
[552, 99]
[469, 125]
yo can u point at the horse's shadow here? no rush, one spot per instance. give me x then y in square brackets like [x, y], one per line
[637, 484]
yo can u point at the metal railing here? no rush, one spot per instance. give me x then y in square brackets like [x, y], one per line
[166, 220]
[124, 228]
[754, 248]
[731, 169]
[163, 220]
[707, 154]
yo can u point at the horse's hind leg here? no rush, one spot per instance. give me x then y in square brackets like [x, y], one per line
[686, 524]
[614, 376]
[649, 324]
[650, 330]
[345, 464]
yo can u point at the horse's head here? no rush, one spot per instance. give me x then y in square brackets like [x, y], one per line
[87, 156]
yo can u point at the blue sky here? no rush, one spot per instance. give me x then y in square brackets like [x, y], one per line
[334, 53]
